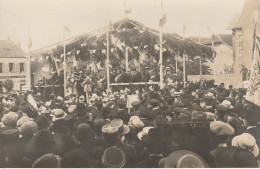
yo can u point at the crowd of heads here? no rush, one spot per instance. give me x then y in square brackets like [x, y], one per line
[208, 126]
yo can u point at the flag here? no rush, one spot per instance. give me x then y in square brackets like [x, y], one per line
[184, 29]
[253, 90]
[30, 43]
[163, 20]
[67, 28]
[30, 40]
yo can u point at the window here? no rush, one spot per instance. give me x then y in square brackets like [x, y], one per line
[21, 67]
[1, 67]
[11, 67]
[240, 44]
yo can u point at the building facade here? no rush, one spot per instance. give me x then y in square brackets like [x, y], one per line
[243, 28]
[223, 61]
[13, 65]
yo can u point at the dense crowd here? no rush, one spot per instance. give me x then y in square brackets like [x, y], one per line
[208, 126]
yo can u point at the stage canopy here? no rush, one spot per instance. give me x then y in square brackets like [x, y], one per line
[142, 43]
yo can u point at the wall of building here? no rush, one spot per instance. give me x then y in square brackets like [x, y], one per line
[243, 37]
[224, 57]
[19, 78]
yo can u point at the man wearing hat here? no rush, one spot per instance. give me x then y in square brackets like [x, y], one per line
[135, 76]
[155, 109]
[136, 105]
[121, 113]
[110, 138]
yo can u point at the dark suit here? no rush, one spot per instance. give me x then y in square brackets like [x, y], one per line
[121, 114]
[151, 162]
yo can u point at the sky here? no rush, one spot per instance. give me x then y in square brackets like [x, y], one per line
[44, 20]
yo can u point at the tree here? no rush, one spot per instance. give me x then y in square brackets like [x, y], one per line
[8, 85]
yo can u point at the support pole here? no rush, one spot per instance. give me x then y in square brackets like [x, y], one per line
[200, 66]
[184, 69]
[29, 71]
[161, 66]
[214, 67]
[65, 67]
[126, 58]
[200, 72]
[108, 75]
[176, 63]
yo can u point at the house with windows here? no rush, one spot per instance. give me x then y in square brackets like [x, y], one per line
[13, 65]
[223, 61]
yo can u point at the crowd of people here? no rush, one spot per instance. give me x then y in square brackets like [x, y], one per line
[96, 82]
[197, 126]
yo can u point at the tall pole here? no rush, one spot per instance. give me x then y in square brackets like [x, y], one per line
[126, 58]
[29, 70]
[200, 66]
[176, 63]
[65, 68]
[214, 67]
[161, 66]
[108, 76]
[184, 65]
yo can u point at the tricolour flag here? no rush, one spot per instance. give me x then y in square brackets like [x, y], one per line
[253, 90]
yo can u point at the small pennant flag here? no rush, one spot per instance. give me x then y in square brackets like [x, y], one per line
[67, 28]
[163, 20]
[184, 29]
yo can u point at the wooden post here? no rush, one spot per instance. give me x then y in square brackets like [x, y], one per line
[108, 74]
[200, 72]
[176, 63]
[184, 69]
[29, 70]
[161, 68]
[126, 58]
[65, 67]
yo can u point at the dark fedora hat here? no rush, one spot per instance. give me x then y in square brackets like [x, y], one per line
[45, 141]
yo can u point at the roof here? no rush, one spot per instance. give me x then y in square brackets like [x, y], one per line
[246, 17]
[8, 49]
[134, 33]
[219, 38]
[234, 22]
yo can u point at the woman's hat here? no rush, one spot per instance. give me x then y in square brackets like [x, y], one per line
[144, 132]
[220, 128]
[58, 114]
[246, 141]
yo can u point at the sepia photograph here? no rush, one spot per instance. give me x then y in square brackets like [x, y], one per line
[129, 83]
